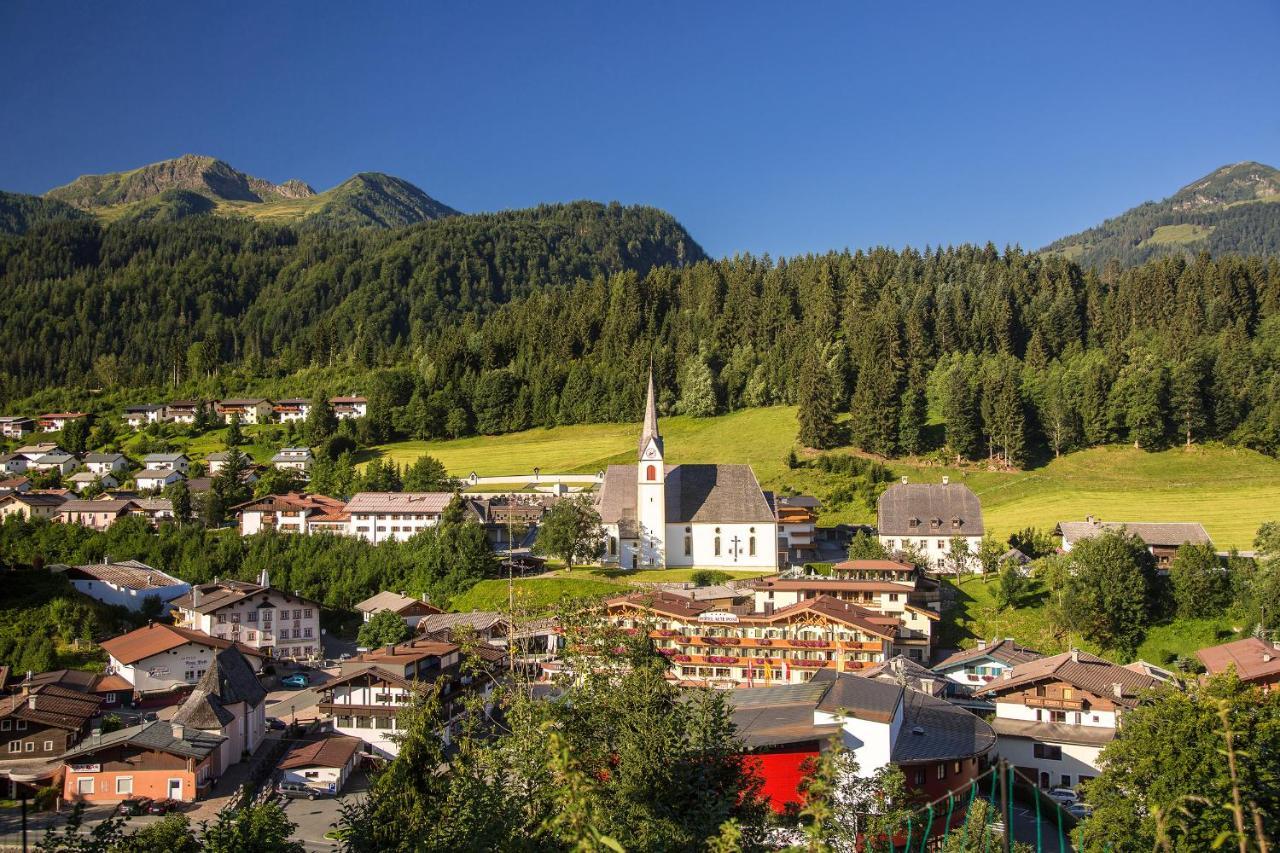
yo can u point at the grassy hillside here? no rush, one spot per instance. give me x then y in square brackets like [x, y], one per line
[1230, 490]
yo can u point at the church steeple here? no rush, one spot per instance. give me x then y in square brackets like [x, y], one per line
[650, 430]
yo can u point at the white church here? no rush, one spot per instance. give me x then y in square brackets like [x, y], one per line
[657, 515]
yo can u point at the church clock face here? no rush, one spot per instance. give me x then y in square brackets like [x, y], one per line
[651, 452]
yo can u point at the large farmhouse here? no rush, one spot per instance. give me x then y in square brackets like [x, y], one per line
[657, 515]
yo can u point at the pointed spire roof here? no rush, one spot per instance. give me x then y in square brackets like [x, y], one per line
[650, 430]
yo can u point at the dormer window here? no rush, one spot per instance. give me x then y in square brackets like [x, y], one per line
[914, 522]
[955, 522]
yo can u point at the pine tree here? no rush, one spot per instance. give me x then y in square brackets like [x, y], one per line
[817, 406]
[235, 437]
[911, 420]
[321, 421]
[960, 413]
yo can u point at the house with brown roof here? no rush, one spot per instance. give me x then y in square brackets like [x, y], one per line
[37, 724]
[127, 583]
[657, 515]
[54, 421]
[292, 513]
[112, 690]
[96, 514]
[349, 407]
[928, 518]
[30, 505]
[1054, 715]
[145, 413]
[250, 410]
[382, 516]
[160, 659]
[1163, 539]
[182, 411]
[292, 409]
[256, 615]
[410, 609]
[938, 747]
[1255, 661]
[711, 646]
[985, 662]
[15, 484]
[323, 764]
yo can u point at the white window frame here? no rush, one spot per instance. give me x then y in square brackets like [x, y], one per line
[80, 785]
[129, 786]
[48, 746]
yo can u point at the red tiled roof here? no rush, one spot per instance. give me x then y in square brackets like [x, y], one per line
[1253, 658]
[332, 751]
[156, 638]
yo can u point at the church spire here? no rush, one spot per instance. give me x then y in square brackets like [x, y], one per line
[650, 430]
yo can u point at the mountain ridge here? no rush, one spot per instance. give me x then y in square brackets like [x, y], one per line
[196, 184]
[1233, 209]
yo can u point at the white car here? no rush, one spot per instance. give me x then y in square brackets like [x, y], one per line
[1065, 796]
[1080, 811]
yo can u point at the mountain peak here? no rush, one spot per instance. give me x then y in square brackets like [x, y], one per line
[1235, 208]
[199, 173]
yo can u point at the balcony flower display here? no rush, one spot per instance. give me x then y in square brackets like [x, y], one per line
[681, 658]
[721, 659]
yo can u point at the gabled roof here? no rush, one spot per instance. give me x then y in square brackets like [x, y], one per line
[157, 735]
[925, 503]
[103, 457]
[478, 620]
[1006, 651]
[163, 457]
[702, 494]
[228, 681]
[130, 574]
[329, 751]
[1253, 659]
[35, 498]
[1081, 670]
[1159, 533]
[408, 652]
[393, 601]
[293, 501]
[215, 596]
[157, 637]
[157, 474]
[875, 565]
[411, 503]
[661, 601]
[112, 506]
[51, 705]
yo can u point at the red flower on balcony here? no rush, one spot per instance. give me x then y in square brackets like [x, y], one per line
[765, 642]
[681, 658]
[668, 652]
[721, 659]
[730, 641]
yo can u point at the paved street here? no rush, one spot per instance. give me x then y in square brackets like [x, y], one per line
[316, 817]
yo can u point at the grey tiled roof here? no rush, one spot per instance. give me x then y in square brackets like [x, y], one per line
[1171, 534]
[935, 730]
[157, 735]
[228, 681]
[695, 493]
[1006, 651]
[926, 503]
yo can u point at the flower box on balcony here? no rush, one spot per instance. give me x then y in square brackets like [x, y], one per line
[668, 652]
[729, 641]
[666, 632]
[721, 659]
[681, 658]
[764, 642]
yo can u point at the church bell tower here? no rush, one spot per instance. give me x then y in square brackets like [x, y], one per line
[651, 489]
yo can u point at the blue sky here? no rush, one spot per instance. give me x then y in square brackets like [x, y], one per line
[780, 128]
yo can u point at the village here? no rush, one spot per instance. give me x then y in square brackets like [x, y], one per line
[235, 683]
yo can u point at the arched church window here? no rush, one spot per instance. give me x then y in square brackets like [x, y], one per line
[751, 546]
[651, 473]
[717, 544]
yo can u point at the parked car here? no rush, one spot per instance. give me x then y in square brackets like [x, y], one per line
[297, 791]
[298, 680]
[162, 806]
[134, 806]
[1080, 811]
[1065, 796]
[276, 723]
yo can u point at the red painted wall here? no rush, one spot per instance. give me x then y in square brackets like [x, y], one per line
[781, 770]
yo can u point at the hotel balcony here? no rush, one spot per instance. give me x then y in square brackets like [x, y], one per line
[1058, 704]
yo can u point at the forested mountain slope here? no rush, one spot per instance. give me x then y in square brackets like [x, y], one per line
[499, 322]
[1233, 209]
[19, 212]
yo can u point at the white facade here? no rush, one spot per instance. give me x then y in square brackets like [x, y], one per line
[870, 741]
[330, 780]
[377, 728]
[63, 463]
[934, 549]
[110, 593]
[290, 626]
[151, 480]
[293, 459]
[169, 670]
[142, 415]
[106, 463]
[167, 462]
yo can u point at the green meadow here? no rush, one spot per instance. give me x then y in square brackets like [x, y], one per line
[1231, 491]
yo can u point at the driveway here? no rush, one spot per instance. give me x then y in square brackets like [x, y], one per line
[316, 817]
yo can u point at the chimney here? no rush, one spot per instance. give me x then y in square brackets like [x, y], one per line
[391, 648]
[195, 598]
[945, 479]
[179, 730]
[1089, 518]
[982, 644]
[1266, 657]
[926, 685]
[1075, 656]
[1118, 690]
[1008, 673]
